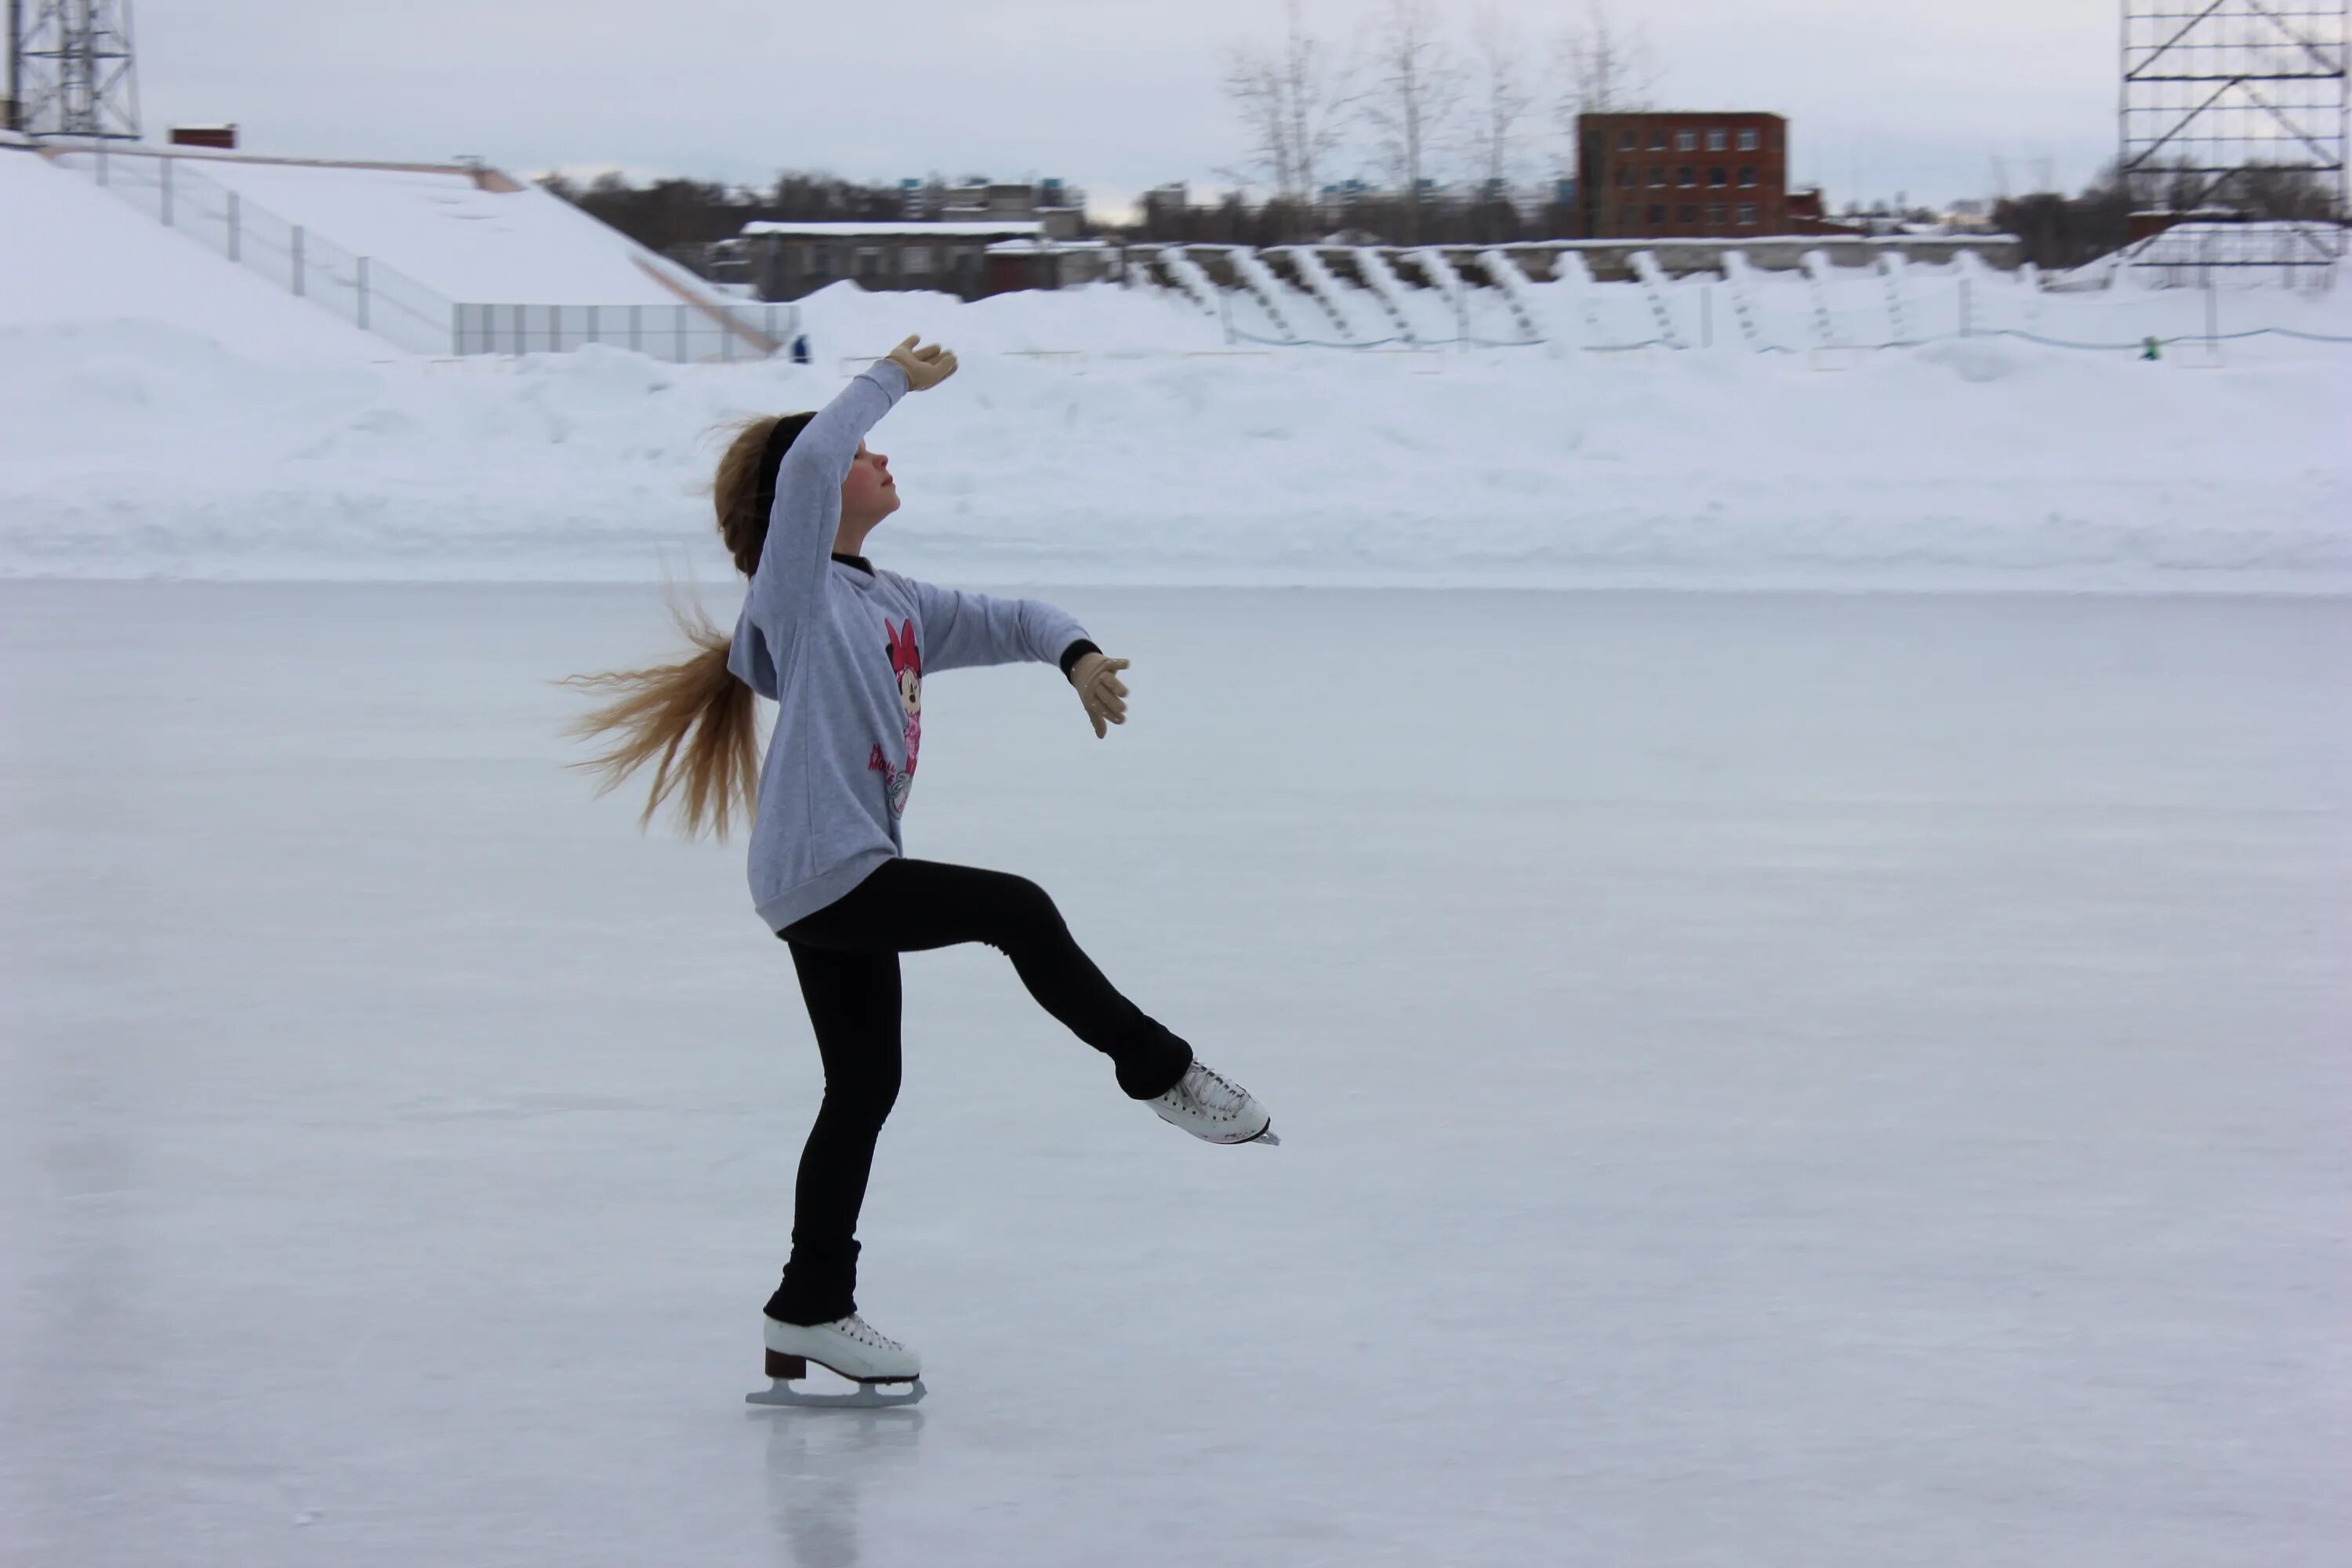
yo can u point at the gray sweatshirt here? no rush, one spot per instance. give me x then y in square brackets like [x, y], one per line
[843, 649]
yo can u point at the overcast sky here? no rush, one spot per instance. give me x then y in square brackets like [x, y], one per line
[1114, 96]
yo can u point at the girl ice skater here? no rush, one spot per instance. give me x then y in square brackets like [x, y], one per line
[842, 649]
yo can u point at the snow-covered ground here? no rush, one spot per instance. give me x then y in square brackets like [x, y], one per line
[1804, 1080]
[141, 449]
[162, 415]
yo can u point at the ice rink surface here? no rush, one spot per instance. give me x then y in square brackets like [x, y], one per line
[1801, 1080]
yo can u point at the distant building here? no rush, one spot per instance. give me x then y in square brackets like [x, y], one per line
[1971, 215]
[725, 262]
[1670, 176]
[1809, 213]
[978, 237]
[222, 138]
[970, 259]
[1058, 210]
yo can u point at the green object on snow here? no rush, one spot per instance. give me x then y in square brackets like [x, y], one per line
[2151, 351]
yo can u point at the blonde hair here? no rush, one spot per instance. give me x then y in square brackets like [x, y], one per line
[693, 720]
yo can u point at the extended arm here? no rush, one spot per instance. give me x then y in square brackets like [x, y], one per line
[960, 629]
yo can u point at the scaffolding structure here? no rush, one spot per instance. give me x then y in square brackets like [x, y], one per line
[2235, 108]
[70, 71]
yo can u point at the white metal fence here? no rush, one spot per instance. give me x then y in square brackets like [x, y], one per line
[1822, 307]
[684, 334]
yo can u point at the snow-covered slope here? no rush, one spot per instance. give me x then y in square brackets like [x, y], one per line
[468, 241]
[71, 255]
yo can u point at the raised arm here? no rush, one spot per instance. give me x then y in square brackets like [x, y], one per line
[806, 515]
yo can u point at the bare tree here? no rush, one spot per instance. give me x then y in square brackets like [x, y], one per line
[1320, 92]
[1252, 85]
[1500, 99]
[1412, 99]
[1294, 102]
[1603, 68]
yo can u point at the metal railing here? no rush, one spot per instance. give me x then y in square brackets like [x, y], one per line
[366, 293]
[375, 297]
[1841, 310]
[716, 333]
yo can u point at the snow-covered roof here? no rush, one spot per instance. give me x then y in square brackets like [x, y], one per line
[1044, 247]
[894, 230]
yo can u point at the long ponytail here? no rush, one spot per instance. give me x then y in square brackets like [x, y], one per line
[693, 720]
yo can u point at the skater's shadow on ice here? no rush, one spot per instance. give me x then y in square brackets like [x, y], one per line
[819, 1462]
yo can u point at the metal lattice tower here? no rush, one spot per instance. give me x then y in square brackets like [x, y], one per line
[70, 70]
[2235, 102]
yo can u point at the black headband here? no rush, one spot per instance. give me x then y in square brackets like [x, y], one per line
[772, 458]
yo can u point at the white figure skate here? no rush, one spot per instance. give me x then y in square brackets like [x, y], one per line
[1208, 1105]
[849, 1346]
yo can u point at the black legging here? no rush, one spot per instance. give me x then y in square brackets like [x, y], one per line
[847, 956]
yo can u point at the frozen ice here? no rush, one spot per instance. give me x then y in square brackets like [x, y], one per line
[1765, 1078]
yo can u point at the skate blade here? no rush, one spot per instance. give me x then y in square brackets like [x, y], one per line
[868, 1397]
[1266, 1137]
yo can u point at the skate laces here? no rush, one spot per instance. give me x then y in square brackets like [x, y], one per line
[1211, 1090]
[858, 1327]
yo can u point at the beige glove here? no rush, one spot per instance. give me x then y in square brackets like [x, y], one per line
[926, 367]
[1100, 688]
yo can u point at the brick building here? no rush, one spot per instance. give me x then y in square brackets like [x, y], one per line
[1687, 176]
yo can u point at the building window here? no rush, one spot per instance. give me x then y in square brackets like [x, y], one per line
[1715, 212]
[1657, 215]
[915, 259]
[1658, 139]
[869, 261]
[1685, 140]
[1717, 177]
[1686, 213]
[1628, 141]
[1748, 174]
[1715, 141]
[1748, 141]
[1748, 212]
[1625, 174]
[1689, 175]
[1658, 177]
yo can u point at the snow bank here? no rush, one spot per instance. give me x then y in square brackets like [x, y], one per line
[146, 449]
